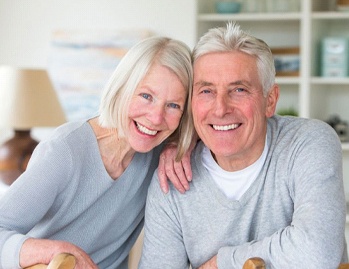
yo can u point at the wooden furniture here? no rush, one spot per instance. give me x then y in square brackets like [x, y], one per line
[60, 261]
[254, 263]
[258, 263]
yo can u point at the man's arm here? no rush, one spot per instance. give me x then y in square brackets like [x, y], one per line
[210, 264]
[163, 245]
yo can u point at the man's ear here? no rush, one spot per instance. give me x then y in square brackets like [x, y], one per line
[272, 99]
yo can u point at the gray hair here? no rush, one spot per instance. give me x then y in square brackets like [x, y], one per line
[232, 38]
[117, 94]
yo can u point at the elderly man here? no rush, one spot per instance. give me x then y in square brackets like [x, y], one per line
[262, 185]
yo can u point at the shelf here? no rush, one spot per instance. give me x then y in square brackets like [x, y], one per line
[330, 15]
[330, 81]
[250, 16]
[288, 80]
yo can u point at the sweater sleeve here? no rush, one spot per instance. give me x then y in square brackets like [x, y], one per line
[315, 237]
[30, 197]
[163, 245]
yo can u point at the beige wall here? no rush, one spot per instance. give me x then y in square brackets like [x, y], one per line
[26, 25]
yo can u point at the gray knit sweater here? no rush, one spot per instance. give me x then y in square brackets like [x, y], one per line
[293, 214]
[66, 194]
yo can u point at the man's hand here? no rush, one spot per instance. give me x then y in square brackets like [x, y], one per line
[210, 264]
[179, 173]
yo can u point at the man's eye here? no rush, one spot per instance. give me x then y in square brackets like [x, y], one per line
[146, 96]
[240, 89]
[206, 91]
[173, 105]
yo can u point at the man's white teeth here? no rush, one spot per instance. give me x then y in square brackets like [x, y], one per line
[145, 130]
[225, 127]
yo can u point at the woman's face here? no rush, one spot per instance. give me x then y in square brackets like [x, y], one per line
[155, 109]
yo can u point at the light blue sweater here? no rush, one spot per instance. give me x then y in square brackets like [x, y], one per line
[293, 214]
[66, 194]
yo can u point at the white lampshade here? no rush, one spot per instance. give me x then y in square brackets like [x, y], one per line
[28, 99]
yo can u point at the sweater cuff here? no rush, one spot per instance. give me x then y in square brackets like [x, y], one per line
[224, 258]
[9, 258]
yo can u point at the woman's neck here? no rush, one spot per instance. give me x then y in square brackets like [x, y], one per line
[116, 153]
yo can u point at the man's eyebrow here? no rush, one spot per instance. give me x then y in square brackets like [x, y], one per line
[240, 82]
[202, 83]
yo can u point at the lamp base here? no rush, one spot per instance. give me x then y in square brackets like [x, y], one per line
[15, 154]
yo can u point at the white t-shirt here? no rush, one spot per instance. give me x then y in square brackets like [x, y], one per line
[233, 184]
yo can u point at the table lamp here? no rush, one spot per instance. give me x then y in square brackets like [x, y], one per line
[27, 100]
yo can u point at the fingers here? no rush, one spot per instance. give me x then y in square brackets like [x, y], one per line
[179, 173]
[162, 175]
[83, 261]
[176, 175]
[168, 171]
[187, 167]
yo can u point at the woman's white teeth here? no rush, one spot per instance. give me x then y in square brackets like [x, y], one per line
[145, 130]
[225, 127]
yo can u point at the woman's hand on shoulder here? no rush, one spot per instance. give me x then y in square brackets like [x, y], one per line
[179, 173]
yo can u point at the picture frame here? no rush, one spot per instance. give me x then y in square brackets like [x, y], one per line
[81, 62]
[287, 61]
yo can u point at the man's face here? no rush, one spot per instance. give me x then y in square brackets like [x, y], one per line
[229, 110]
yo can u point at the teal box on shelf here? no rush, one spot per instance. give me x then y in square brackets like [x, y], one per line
[335, 57]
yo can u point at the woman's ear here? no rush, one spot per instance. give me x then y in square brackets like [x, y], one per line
[272, 99]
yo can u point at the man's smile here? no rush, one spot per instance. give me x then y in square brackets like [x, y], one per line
[225, 127]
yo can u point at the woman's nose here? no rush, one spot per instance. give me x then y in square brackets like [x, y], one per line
[156, 114]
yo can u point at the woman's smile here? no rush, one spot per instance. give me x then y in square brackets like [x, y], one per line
[145, 130]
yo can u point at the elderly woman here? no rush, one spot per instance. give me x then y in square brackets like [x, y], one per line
[85, 188]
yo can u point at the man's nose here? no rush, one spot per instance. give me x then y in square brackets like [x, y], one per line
[222, 105]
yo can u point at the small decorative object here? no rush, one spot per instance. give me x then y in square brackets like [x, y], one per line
[228, 7]
[343, 5]
[27, 100]
[287, 61]
[335, 57]
[341, 127]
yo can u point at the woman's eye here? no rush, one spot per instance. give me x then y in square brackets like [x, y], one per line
[146, 96]
[173, 105]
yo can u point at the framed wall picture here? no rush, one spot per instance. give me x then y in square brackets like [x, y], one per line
[81, 62]
[287, 61]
